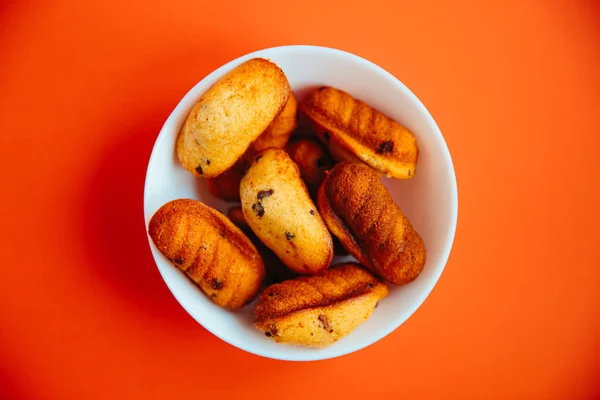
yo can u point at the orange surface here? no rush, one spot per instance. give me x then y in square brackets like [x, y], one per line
[84, 89]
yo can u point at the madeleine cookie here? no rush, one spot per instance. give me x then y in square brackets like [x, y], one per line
[210, 249]
[312, 161]
[279, 210]
[227, 185]
[230, 116]
[359, 210]
[318, 310]
[352, 130]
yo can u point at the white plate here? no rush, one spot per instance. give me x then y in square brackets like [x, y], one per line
[430, 199]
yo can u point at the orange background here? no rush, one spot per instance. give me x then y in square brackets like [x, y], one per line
[86, 86]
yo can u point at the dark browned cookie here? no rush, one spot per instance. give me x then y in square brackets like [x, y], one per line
[312, 161]
[360, 211]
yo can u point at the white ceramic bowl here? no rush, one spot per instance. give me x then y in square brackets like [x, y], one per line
[429, 199]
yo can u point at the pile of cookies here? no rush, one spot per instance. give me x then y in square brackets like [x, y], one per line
[294, 195]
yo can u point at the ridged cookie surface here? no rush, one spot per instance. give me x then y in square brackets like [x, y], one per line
[230, 116]
[360, 211]
[210, 249]
[352, 130]
[318, 310]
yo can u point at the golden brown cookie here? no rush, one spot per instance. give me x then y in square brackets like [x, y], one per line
[318, 310]
[230, 116]
[312, 161]
[352, 130]
[210, 249]
[360, 211]
[279, 210]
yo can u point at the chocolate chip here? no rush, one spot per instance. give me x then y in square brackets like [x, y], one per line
[258, 209]
[320, 162]
[268, 334]
[312, 212]
[324, 322]
[178, 261]
[216, 284]
[207, 162]
[386, 147]
[264, 193]
[326, 134]
[199, 170]
[289, 235]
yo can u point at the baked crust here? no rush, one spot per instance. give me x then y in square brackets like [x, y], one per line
[210, 249]
[352, 130]
[230, 116]
[319, 310]
[361, 213]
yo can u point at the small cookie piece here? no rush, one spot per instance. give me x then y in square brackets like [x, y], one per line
[352, 130]
[280, 212]
[312, 161]
[236, 215]
[227, 185]
[318, 310]
[210, 249]
[230, 116]
[360, 211]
